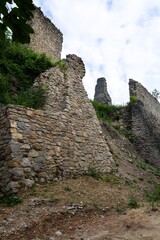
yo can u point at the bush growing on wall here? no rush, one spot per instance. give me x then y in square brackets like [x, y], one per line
[19, 66]
[104, 111]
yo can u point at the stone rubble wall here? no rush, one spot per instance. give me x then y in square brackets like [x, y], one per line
[46, 38]
[146, 123]
[5, 137]
[62, 140]
[101, 92]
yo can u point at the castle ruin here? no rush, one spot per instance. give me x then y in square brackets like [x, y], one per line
[64, 139]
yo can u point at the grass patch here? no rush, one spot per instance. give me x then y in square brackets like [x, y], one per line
[132, 202]
[105, 112]
[96, 174]
[68, 189]
[54, 199]
[61, 64]
[93, 172]
[10, 201]
[154, 195]
[133, 99]
[110, 179]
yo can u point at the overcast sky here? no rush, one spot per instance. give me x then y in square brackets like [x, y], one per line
[117, 39]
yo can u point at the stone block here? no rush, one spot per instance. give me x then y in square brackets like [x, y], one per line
[33, 153]
[13, 187]
[25, 162]
[14, 163]
[29, 183]
[17, 135]
[13, 124]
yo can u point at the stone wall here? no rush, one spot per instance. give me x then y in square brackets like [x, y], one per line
[47, 38]
[101, 93]
[145, 123]
[62, 140]
[5, 137]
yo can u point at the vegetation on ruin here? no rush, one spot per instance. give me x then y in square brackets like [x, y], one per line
[19, 66]
[106, 112]
[14, 15]
[156, 93]
[111, 114]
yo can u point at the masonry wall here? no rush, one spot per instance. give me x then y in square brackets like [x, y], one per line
[47, 38]
[62, 140]
[146, 123]
[5, 136]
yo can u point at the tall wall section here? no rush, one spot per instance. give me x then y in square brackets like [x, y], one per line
[145, 123]
[5, 137]
[47, 38]
[62, 140]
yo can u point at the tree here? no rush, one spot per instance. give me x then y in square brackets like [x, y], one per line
[14, 15]
[156, 94]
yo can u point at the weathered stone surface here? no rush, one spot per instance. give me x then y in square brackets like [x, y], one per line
[33, 153]
[21, 125]
[26, 162]
[17, 136]
[37, 166]
[47, 38]
[63, 139]
[29, 183]
[18, 172]
[14, 163]
[13, 187]
[13, 124]
[101, 93]
[145, 116]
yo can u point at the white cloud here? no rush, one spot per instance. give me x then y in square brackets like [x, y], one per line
[117, 39]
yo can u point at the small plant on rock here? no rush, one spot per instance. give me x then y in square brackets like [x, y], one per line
[93, 172]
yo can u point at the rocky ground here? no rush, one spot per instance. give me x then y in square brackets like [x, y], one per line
[95, 207]
[83, 208]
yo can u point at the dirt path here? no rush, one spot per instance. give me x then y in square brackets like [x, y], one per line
[135, 225]
[42, 222]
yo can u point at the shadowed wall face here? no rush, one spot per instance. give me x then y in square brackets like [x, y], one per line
[145, 123]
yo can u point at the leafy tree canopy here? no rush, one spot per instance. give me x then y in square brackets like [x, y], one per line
[19, 66]
[14, 15]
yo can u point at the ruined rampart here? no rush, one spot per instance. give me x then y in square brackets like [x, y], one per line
[64, 139]
[145, 126]
[47, 38]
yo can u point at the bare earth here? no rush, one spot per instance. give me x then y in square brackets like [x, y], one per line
[83, 208]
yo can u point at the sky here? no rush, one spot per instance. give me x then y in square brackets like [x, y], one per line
[116, 39]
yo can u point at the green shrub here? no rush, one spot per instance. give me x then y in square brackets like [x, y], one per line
[110, 178]
[19, 66]
[54, 199]
[93, 172]
[105, 112]
[10, 201]
[133, 99]
[132, 202]
[68, 189]
[154, 195]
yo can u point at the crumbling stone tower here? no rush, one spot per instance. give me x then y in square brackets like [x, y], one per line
[47, 38]
[101, 93]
